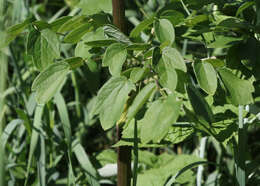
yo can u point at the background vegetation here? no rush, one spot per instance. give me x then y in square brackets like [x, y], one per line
[184, 86]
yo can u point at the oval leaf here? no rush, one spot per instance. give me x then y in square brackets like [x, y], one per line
[164, 31]
[50, 81]
[159, 118]
[173, 59]
[112, 96]
[44, 47]
[206, 76]
[114, 58]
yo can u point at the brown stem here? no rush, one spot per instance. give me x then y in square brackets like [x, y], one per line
[119, 15]
[123, 152]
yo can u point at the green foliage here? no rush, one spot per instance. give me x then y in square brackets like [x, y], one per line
[206, 76]
[165, 112]
[164, 31]
[112, 95]
[239, 91]
[114, 58]
[50, 81]
[179, 76]
[44, 47]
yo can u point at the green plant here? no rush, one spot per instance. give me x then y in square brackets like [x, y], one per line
[187, 69]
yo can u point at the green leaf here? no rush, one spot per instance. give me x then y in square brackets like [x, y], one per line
[37, 128]
[64, 117]
[159, 175]
[206, 76]
[114, 58]
[164, 31]
[244, 6]
[140, 100]
[107, 156]
[50, 81]
[10, 127]
[138, 46]
[224, 41]
[55, 25]
[199, 104]
[175, 17]
[137, 73]
[70, 24]
[90, 7]
[85, 163]
[194, 20]
[239, 90]
[76, 34]
[173, 59]
[179, 133]
[112, 95]
[40, 25]
[167, 76]
[142, 26]
[158, 119]
[82, 50]
[216, 63]
[100, 43]
[44, 47]
[115, 33]
[74, 62]
[13, 31]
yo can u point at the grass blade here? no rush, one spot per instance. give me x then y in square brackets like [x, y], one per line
[35, 136]
[85, 163]
[64, 116]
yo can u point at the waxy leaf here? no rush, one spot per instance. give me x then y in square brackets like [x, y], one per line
[206, 76]
[158, 119]
[140, 100]
[173, 59]
[164, 31]
[114, 58]
[44, 47]
[111, 99]
[239, 90]
[50, 81]
[199, 104]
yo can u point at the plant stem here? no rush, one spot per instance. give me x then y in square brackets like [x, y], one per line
[123, 152]
[3, 75]
[203, 142]
[241, 150]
